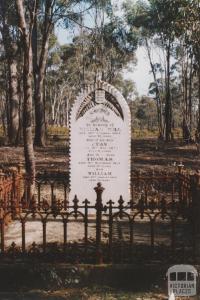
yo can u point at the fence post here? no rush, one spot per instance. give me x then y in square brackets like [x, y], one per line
[180, 181]
[2, 187]
[2, 225]
[195, 193]
[99, 207]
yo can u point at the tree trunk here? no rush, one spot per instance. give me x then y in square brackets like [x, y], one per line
[14, 103]
[27, 107]
[190, 94]
[187, 100]
[168, 106]
[3, 111]
[10, 48]
[158, 96]
[198, 126]
[40, 128]
[7, 105]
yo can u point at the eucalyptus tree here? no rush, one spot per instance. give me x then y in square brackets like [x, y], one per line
[3, 95]
[118, 48]
[160, 21]
[191, 27]
[26, 19]
[100, 51]
[66, 74]
[10, 35]
[51, 14]
[103, 47]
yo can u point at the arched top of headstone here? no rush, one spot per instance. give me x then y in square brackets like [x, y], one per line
[104, 94]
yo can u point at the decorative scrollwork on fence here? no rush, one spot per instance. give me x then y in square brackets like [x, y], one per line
[157, 223]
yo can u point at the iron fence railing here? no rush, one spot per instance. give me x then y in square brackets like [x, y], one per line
[156, 224]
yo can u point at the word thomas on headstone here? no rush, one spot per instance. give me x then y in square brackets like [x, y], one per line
[100, 139]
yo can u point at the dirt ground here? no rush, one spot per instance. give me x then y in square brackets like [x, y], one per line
[83, 294]
[146, 154]
[103, 293]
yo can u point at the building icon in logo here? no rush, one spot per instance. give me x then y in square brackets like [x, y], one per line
[182, 280]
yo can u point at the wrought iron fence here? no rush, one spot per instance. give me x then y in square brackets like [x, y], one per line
[157, 224]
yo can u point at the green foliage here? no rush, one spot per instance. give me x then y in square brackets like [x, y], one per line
[126, 86]
[173, 27]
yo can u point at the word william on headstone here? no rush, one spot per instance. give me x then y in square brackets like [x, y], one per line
[182, 281]
[100, 139]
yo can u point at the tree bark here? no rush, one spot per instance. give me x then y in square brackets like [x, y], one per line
[14, 103]
[158, 96]
[40, 128]
[168, 106]
[27, 106]
[198, 125]
[10, 48]
[190, 93]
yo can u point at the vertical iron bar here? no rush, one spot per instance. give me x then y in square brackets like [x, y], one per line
[110, 230]
[180, 181]
[99, 190]
[2, 235]
[146, 195]
[39, 194]
[52, 194]
[86, 226]
[23, 236]
[132, 191]
[152, 235]
[65, 197]
[173, 190]
[131, 239]
[44, 235]
[173, 236]
[65, 233]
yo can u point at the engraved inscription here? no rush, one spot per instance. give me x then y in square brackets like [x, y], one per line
[100, 146]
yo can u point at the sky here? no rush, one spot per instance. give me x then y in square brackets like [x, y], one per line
[140, 74]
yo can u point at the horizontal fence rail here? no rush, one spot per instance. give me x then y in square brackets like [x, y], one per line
[157, 224]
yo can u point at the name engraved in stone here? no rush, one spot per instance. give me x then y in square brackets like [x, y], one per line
[100, 144]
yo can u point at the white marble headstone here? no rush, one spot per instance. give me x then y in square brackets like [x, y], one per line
[100, 139]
